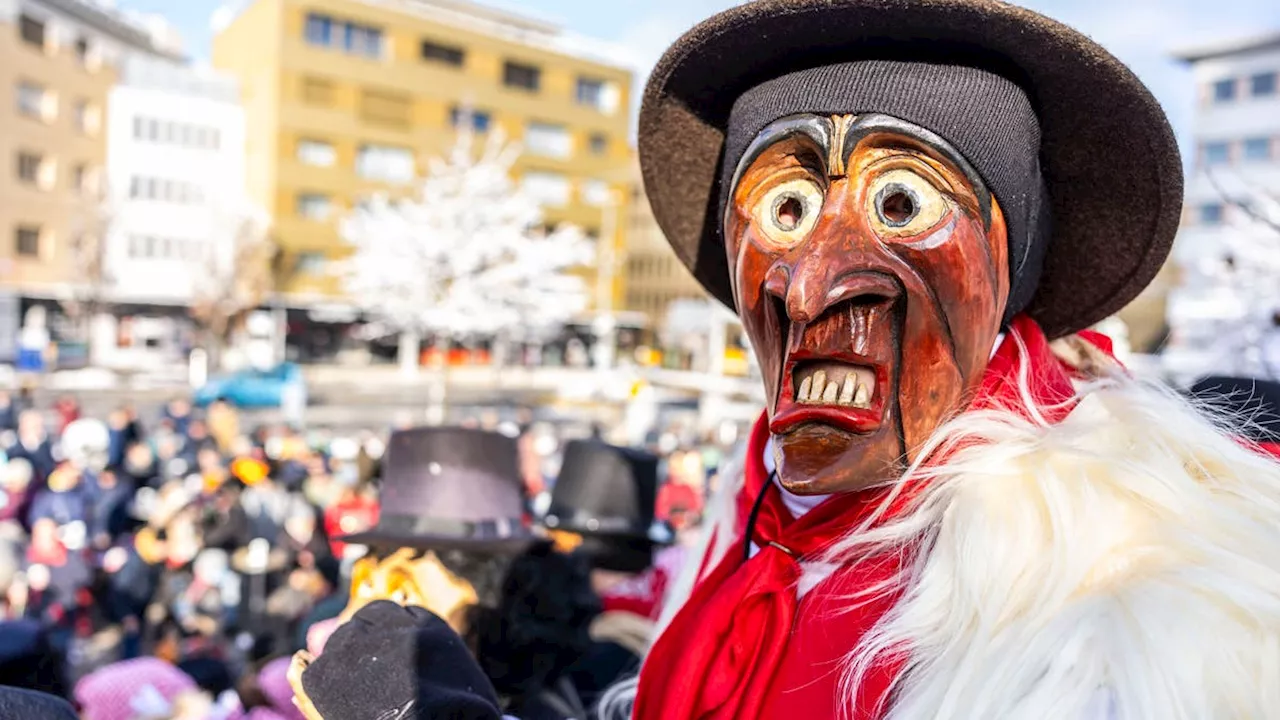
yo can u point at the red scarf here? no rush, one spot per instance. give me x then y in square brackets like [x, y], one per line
[722, 654]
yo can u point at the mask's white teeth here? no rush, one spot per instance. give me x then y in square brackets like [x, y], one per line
[819, 383]
[829, 394]
[863, 397]
[805, 386]
[846, 392]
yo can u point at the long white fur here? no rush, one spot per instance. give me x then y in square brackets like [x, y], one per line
[1123, 564]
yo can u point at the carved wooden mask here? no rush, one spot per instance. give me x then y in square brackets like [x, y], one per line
[870, 269]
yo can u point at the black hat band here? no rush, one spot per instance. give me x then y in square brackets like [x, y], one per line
[496, 529]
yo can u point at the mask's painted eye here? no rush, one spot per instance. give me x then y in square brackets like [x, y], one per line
[902, 204]
[787, 213]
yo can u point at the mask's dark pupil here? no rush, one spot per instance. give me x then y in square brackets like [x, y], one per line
[897, 205]
[788, 211]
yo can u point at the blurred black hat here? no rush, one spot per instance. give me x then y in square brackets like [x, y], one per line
[606, 494]
[450, 488]
[1257, 401]
[32, 705]
[395, 661]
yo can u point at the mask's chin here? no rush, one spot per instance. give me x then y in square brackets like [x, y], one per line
[818, 459]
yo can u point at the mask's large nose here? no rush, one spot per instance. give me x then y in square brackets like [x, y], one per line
[835, 265]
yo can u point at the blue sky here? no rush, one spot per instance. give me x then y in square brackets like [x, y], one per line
[1140, 32]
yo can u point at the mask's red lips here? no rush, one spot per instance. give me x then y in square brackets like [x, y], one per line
[844, 392]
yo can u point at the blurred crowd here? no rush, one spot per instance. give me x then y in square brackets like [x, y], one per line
[195, 551]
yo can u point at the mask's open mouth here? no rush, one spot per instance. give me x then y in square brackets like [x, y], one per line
[833, 383]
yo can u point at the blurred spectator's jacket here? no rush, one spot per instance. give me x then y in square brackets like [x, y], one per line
[40, 455]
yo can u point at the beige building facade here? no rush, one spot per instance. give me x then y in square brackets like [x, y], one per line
[58, 62]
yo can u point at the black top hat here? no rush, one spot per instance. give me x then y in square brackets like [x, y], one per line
[1109, 158]
[1256, 401]
[606, 494]
[450, 488]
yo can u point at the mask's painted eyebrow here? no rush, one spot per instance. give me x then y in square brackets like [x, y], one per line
[816, 128]
[866, 125]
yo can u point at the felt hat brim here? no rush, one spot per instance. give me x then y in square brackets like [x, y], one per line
[1108, 154]
[381, 539]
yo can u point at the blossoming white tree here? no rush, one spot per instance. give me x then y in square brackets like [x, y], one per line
[463, 256]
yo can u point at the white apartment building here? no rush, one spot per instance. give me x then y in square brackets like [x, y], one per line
[175, 182]
[1222, 314]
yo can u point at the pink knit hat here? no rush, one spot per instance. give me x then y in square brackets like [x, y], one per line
[141, 687]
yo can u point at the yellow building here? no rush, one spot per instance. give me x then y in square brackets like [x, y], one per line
[58, 61]
[346, 98]
[655, 277]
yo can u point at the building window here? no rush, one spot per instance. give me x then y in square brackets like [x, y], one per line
[595, 192]
[1216, 153]
[590, 92]
[82, 50]
[444, 54]
[386, 163]
[1263, 84]
[29, 167]
[312, 263]
[1224, 90]
[314, 206]
[1257, 149]
[548, 140]
[32, 31]
[26, 240]
[547, 188]
[1211, 214]
[385, 108]
[86, 117]
[80, 179]
[479, 119]
[319, 29]
[317, 91]
[350, 37]
[518, 75]
[598, 144]
[316, 152]
[37, 102]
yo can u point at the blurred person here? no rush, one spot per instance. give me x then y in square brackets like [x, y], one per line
[683, 496]
[67, 408]
[267, 695]
[452, 521]
[141, 467]
[177, 413]
[138, 689]
[109, 515]
[8, 412]
[16, 491]
[355, 511]
[540, 627]
[225, 524]
[329, 598]
[124, 432]
[303, 537]
[34, 445]
[603, 508]
[224, 425]
[29, 659]
[66, 502]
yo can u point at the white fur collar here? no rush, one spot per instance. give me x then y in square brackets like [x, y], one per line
[1123, 564]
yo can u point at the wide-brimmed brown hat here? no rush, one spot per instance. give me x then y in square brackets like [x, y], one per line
[1108, 155]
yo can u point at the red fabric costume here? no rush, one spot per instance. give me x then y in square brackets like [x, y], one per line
[745, 646]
